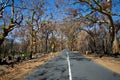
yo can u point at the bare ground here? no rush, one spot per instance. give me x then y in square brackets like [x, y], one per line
[21, 70]
[111, 63]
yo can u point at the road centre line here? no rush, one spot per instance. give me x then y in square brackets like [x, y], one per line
[69, 67]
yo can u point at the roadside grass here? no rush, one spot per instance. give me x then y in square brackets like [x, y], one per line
[22, 69]
[108, 62]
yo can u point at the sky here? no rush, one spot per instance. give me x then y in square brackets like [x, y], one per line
[61, 12]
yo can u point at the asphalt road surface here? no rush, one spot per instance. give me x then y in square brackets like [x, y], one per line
[71, 66]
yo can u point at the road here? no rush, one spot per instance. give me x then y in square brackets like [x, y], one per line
[71, 66]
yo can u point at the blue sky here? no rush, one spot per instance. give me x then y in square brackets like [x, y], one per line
[60, 13]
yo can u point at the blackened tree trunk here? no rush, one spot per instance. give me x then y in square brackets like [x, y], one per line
[46, 42]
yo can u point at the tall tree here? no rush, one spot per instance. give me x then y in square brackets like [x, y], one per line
[46, 28]
[13, 20]
[104, 7]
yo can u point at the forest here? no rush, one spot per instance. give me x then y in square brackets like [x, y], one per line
[37, 27]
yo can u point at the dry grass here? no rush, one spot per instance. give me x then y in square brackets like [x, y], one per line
[108, 62]
[23, 69]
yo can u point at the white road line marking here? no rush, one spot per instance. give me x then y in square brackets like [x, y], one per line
[68, 60]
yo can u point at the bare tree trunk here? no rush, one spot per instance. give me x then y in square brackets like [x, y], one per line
[115, 45]
[1, 40]
[46, 42]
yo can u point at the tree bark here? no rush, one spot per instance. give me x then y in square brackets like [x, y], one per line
[46, 42]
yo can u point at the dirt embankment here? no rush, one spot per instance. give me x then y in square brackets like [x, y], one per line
[111, 63]
[21, 70]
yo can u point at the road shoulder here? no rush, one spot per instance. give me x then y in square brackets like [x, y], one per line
[110, 63]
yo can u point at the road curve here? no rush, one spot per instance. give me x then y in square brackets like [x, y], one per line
[80, 69]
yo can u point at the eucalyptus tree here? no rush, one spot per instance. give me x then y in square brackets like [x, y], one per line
[33, 10]
[93, 9]
[10, 18]
[46, 28]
